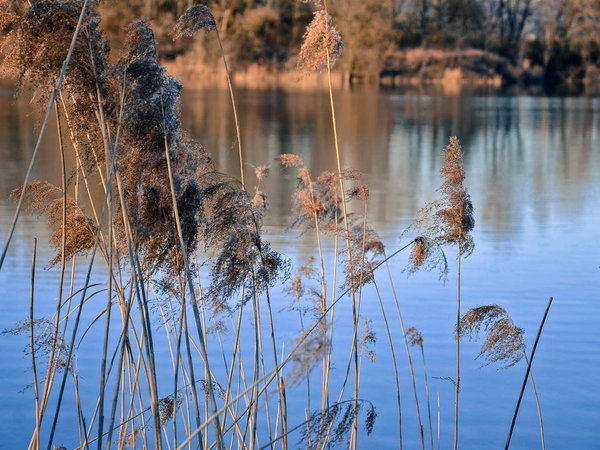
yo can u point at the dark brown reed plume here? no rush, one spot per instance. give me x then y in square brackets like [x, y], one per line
[503, 342]
[34, 50]
[337, 419]
[45, 198]
[151, 116]
[232, 228]
[196, 18]
[416, 338]
[448, 221]
[168, 407]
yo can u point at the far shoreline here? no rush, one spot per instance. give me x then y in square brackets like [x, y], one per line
[430, 72]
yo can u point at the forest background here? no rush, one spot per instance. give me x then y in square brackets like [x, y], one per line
[549, 46]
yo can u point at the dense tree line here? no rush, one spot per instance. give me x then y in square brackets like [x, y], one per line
[560, 37]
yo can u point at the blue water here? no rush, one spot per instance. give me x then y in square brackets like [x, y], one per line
[533, 172]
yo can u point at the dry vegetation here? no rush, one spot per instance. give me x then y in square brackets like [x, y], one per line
[164, 209]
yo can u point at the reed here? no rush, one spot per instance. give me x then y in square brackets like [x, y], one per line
[503, 342]
[447, 221]
[184, 248]
[416, 338]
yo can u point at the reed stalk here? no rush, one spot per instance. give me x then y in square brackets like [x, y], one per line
[265, 381]
[389, 334]
[192, 295]
[427, 392]
[345, 215]
[78, 317]
[52, 362]
[527, 372]
[42, 133]
[410, 365]
[438, 421]
[457, 378]
[32, 339]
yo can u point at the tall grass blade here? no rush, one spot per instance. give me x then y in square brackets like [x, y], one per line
[514, 419]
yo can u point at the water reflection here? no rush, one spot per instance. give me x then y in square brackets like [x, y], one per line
[533, 170]
[520, 153]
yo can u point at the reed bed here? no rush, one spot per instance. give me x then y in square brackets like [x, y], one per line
[188, 271]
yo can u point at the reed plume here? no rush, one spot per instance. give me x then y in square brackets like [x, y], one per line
[168, 406]
[232, 228]
[151, 117]
[322, 44]
[34, 45]
[196, 18]
[43, 342]
[502, 342]
[45, 198]
[334, 423]
[367, 341]
[316, 202]
[367, 251]
[428, 255]
[447, 221]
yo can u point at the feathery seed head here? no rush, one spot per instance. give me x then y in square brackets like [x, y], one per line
[290, 160]
[360, 193]
[196, 18]
[368, 341]
[503, 341]
[447, 221]
[426, 254]
[45, 198]
[261, 172]
[321, 40]
[414, 337]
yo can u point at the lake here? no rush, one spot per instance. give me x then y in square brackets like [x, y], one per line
[533, 171]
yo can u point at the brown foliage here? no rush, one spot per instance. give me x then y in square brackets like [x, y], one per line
[502, 337]
[427, 254]
[447, 221]
[140, 105]
[321, 38]
[45, 198]
[196, 18]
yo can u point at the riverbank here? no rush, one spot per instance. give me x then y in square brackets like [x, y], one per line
[430, 70]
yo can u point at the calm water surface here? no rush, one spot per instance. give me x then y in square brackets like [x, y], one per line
[533, 171]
